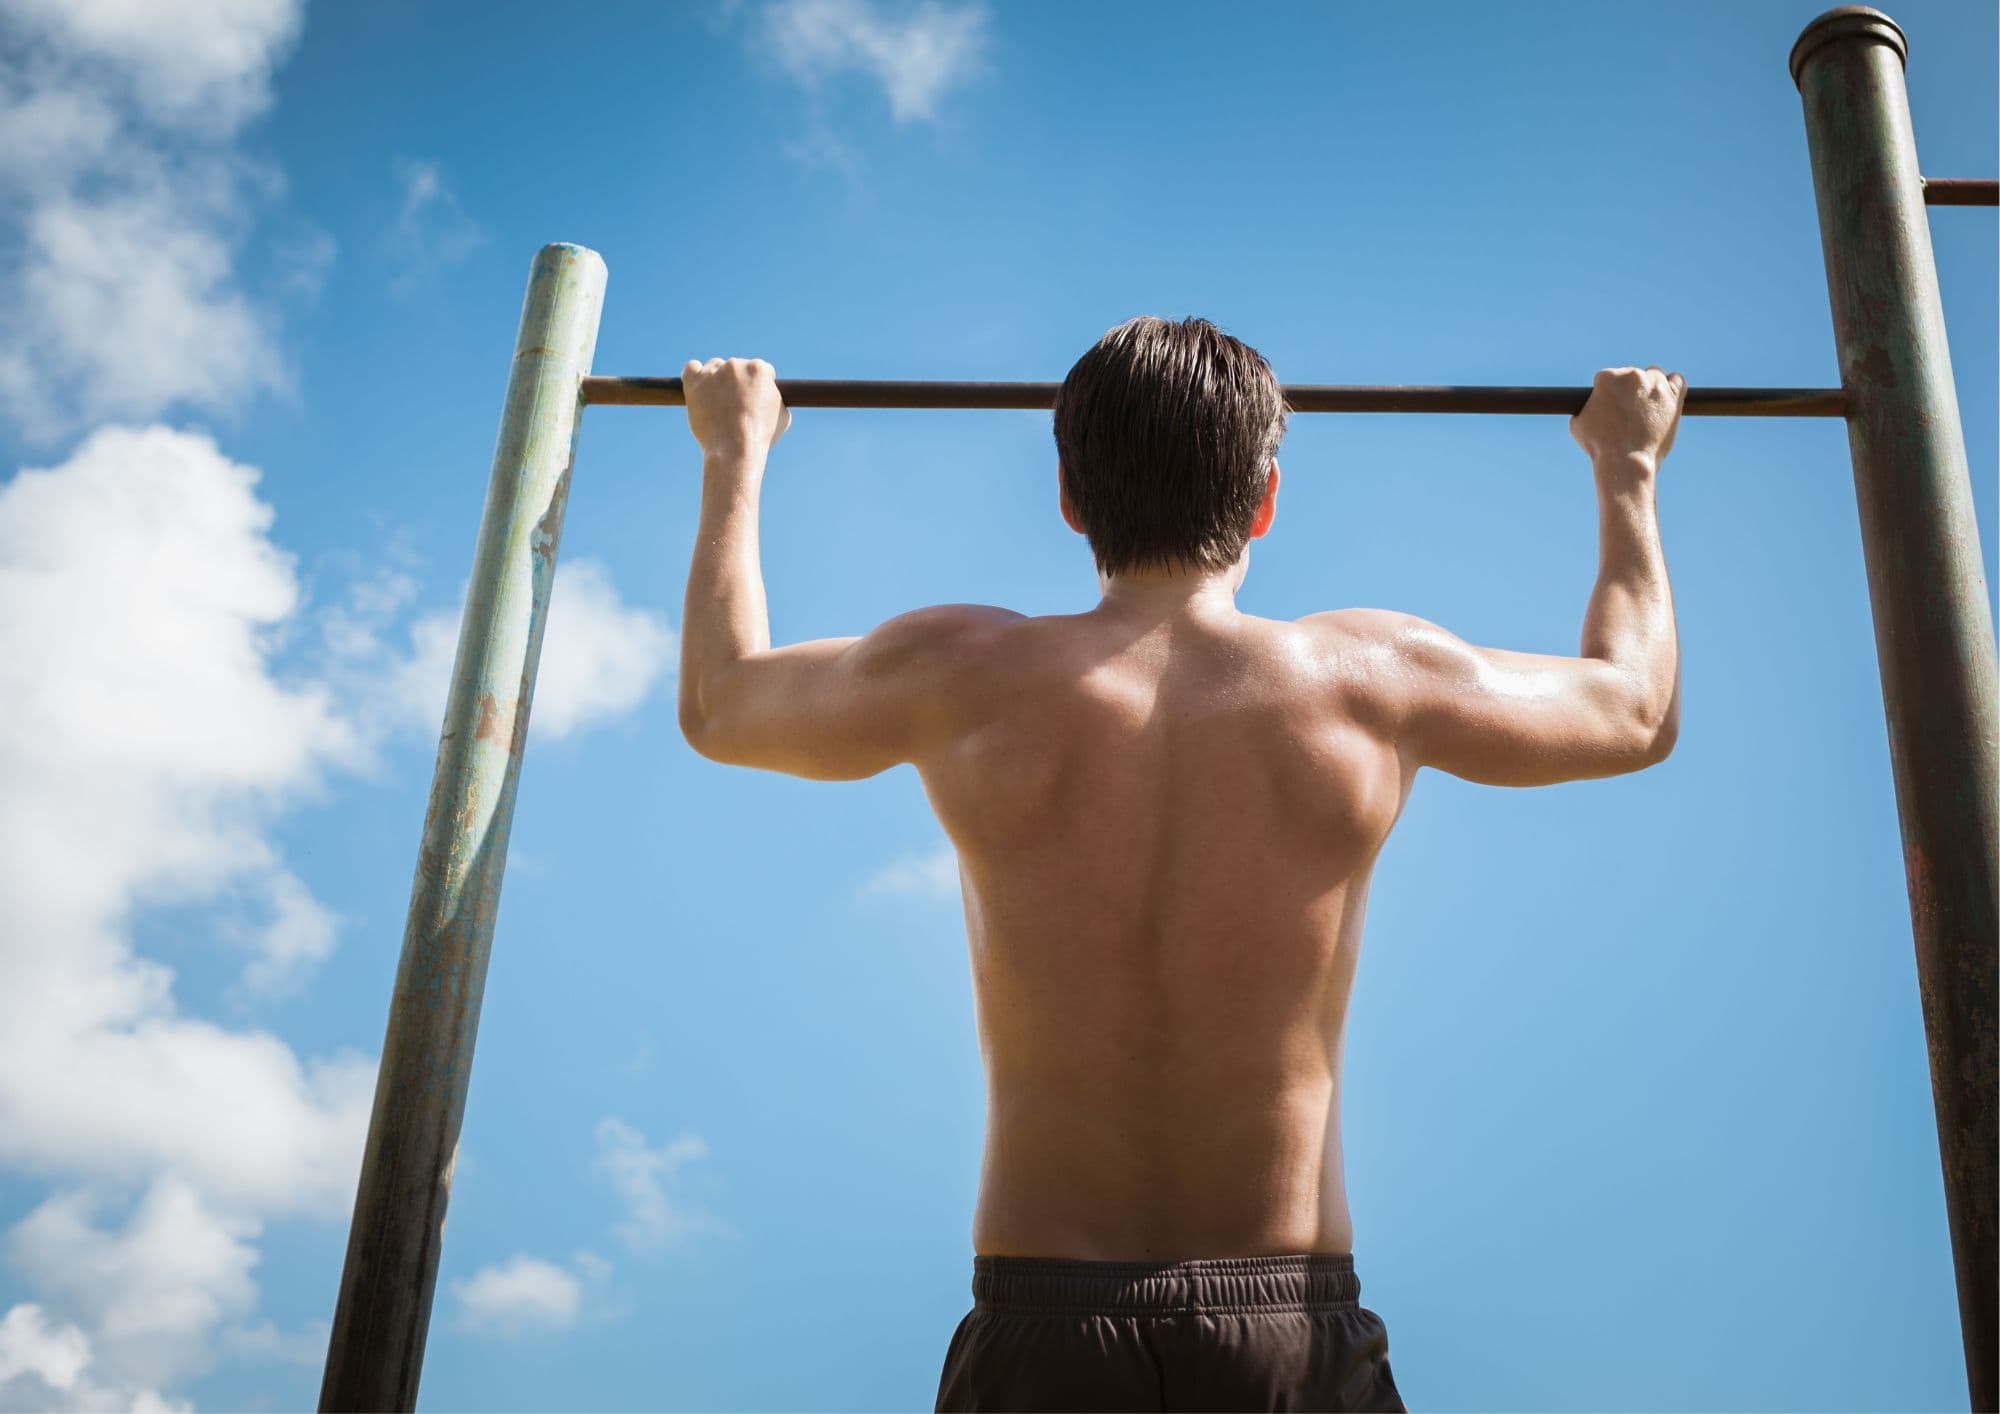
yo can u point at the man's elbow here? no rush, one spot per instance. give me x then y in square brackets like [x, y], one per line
[1655, 731]
[695, 723]
[1658, 745]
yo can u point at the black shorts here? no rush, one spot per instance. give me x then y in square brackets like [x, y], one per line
[1219, 1334]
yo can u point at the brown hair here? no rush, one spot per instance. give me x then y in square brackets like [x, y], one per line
[1165, 434]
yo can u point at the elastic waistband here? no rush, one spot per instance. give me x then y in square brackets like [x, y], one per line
[1215, 1285]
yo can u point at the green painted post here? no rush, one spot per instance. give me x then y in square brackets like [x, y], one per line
[375, 1356]
[1927, 588]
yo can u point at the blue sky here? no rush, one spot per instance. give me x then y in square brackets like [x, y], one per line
[1637, 1111]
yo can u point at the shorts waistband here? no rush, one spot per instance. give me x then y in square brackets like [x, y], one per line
[1215, 1285]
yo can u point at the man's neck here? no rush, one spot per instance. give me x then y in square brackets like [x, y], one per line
[1165, 594]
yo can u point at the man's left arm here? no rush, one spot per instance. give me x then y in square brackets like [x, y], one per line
[834, 709]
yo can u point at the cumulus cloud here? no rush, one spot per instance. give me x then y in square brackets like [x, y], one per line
[120, 174]
[932, 876]
[915, 58]
[432, 230]
[158, 1288]
[122, 305]
[151, 736]
[263, 1341]
[519, 1296]
[299, 933]
[640, 1175]
[33, 1346]
[201, 64]
[148, 746]
[601, 658]
[302, 262]
[146, 742]
[46, 1365]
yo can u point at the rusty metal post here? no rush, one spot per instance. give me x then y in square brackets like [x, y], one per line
[375, 1356]
[1927, 589]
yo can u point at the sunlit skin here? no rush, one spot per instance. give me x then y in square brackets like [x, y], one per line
[1166, 813]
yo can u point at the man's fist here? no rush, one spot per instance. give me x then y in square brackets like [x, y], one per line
[733, 405]
[1631, 412]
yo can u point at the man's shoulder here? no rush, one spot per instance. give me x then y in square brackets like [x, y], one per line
[1373, 657]
[935, 621]
[1382, 624]
[935, 634]
[1372, 633]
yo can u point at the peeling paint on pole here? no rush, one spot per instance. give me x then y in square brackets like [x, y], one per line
[1927, 591]
[375, 1355]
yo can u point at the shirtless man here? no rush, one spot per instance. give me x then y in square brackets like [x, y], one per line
[1166, 814]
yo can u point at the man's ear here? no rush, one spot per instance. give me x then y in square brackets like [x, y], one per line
[1267, 509]
[1068, 511]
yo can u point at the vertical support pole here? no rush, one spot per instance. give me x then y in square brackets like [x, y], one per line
[375, 1356]
[1927, 590]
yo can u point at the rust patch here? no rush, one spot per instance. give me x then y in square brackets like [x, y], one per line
[1876, 369]
[496, 724]
[1917, 876]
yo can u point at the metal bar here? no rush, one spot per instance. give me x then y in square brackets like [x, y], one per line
[375, 1355]
[1961, 191]
[1302, 397]
[1927, 590]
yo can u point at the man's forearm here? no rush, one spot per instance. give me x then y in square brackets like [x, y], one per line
[1630, 621]
[724, 618]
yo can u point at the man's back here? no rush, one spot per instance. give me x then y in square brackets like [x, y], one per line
[1165, 830]
[1167, 814]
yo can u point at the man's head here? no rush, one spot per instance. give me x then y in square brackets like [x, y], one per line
[1166, 434]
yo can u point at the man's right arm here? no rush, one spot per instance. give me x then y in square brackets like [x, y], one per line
[1525, 719]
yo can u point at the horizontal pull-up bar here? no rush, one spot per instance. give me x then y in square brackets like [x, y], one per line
[1302, 397]
[1961, 191]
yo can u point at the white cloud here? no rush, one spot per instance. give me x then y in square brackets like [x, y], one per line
[200, 63]
[300, 934]
[419, 681]
[30, 1345]
[148, 747]
[120, 174]
[600, 658]
[820, 146]
[149, 742]
[157, 1290]
[640, 1176]
[432, 229]
[303, 262]
[50, 131]
[717, 15]
[139, 575]
[915, 59]
[521, 1295]
[46, 1366]
[122, 306]
[265, 1342]
[351, 629]
[924, 876]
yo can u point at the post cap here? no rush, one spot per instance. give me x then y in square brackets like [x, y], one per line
[1848, 22]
